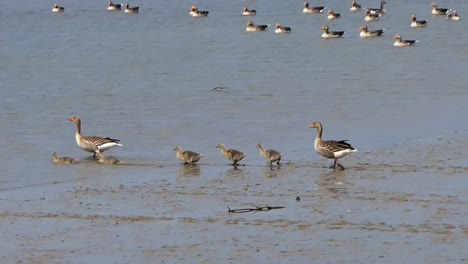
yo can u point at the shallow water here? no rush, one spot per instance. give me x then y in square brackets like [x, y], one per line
[148, 80]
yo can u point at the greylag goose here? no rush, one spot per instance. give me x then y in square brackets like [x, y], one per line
[247, 12]
[453, 15]
[92, 144]
[355, 6]
[371, 17]
[403, 43]
[188, 157]
[270, 155]
[57, 8]
[331, 34]
[63, 160]
[315, 9]
[417, 23]
[332, 15]
[281, 29]
[380, 10]
[112, 161]
[196, 13]
[331, 149]
[252, 27]
[439, 11]
[114, 7]
[231, 154]
[365, 33]
[131, 10]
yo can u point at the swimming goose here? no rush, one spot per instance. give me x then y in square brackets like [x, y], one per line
[248, 12]
[439, 11]
[331, 149]
[371, 17]
[372, 33]
[331, 34]
[112, 161]
[231, 154]
[188, 157]
[380, 10]
[333, 15]
[196, 13]
[418, 23]
[114, 7]
[403, 43]
[58, 8]
[63, 160]
[453, 15]
[270, 155]
[315, 9]
[131, 10]
[281, 29]
[355, 6]
[92, 144]
[252, 27]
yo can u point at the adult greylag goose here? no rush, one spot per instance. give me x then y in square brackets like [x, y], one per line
[332, 15]
[57, 8]
[92, 144]
[252, 27]
[403, 43]
[249, 12]
[380, 10]
[417, 23]
[331, 149]
[114, 7]
[131, 10]
[231, 154]
[196, 13]
[270, 155]
[371, 17]
[355, 6]
[315, 9]
[281, 29]
[112, 161]
[365, 32]
[187, 156]
[63, 160]
[453, 15]
[439, 11]
[331, 34]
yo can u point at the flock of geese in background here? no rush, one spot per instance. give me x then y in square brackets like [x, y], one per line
[331, 149]
[372, 14]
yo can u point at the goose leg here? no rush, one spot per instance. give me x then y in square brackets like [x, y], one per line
[339, 165]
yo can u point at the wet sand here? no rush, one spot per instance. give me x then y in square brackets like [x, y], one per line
[407, 203]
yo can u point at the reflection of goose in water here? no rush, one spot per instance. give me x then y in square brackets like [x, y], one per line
[334, 183]
[236, 171]
[272, 172]
[189, 170]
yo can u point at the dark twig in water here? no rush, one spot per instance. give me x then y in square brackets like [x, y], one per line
[221, 89]
[256, 209]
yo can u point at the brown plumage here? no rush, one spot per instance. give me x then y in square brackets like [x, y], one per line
[187, 156]
[112, 161]
[331, 149]
[270, 155]
[63, 160]
[231, 154]
[92, 143]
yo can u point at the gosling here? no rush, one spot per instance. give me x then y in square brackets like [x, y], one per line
[270, 155]
[63, 160]
[112, 161]
[231, 154]
[188, 157]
